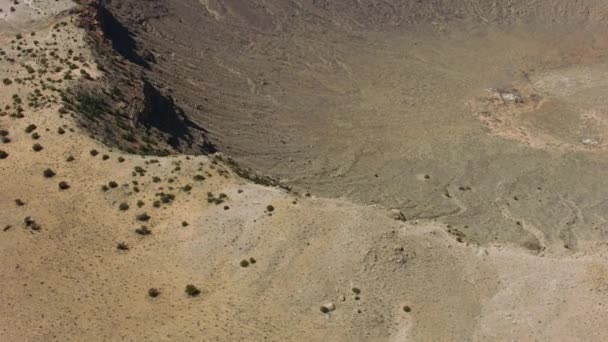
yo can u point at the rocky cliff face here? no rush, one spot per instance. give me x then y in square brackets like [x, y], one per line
[138, 117]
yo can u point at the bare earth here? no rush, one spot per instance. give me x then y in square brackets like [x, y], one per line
[482, 260]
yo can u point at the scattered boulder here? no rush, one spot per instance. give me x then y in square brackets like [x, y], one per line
[327, 308]
[396, 214]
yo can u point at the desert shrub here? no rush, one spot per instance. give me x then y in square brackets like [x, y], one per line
[153, 292]
[70, 159]
[63, 185]
[37, 147]
[19, 202]
[48, 173]
[269, 208]
[143, 230]
[35, 136]
[113, 185]
[94, 152]
[121, 159]
[31, 224]
[90, 104]
[143, 217]
[60, 130]
[123, 206]
[30, 128]
[105, 157]
[130, 137]
[167, 198]
[192, 290]
[3, 154]
[122, 246]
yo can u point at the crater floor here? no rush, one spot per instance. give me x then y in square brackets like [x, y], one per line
[404, 104]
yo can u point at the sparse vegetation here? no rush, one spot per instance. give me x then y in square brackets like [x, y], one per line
[143, 230]
[167, 198]
[192, 290]
[90, 104]
[48, 173]
[122, 246]
[30, 128]
[31, 224]
[143, 217]
[217, 200]
[153, 292]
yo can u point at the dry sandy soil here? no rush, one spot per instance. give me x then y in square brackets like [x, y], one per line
[271, 265]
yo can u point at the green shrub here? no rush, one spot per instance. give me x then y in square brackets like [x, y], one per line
[192, 290]
[91, 105]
